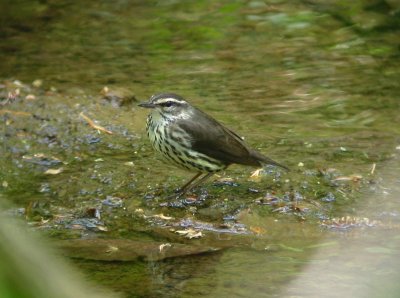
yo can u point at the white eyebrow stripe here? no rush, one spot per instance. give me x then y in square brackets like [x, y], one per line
[169, 99]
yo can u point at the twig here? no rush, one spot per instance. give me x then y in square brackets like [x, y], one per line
[16, 113]
[94, 125]
[373, 168]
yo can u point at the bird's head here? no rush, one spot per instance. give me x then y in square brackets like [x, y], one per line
[168, 105]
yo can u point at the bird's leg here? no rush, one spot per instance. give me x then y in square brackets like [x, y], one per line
[198, 182]
[183, 188]
[192, 183]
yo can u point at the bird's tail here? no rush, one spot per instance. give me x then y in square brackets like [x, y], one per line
[263, 160]
[269, 161]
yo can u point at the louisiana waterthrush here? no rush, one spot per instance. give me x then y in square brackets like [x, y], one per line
[193, 140]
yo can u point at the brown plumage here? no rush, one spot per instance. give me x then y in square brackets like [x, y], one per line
[191, 139]
[217, 141]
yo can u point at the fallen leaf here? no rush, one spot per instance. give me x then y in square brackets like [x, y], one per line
[37, 83]
[54, 171]
[112, 249]
[164, 245]
[190, 233]
[258, 230]
[162, 216]
[353, 178]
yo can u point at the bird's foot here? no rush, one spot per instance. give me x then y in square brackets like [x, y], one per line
[176, 195]
[178, 190]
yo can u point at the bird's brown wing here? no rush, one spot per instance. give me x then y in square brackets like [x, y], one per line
[215, 140]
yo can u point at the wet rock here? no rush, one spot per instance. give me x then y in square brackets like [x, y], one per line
[229, 218]
[45, 188]
[106, 180]
[225, 181]
[112, 202]
[149, 196]
[330, 197]
[86, 224]
[92, 139]
[173, 204]
[49, 135]
[84, 192]
[42, 160]
[268, 199]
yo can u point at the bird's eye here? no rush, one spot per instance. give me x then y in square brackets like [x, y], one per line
[167, 104]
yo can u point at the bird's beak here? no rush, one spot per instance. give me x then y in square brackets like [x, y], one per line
[147, 105]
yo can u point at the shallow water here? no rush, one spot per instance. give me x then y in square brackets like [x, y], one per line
[313, 86]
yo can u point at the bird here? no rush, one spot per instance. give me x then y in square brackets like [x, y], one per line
[193, 140]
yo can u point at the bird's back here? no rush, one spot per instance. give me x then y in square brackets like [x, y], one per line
[213, 139]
